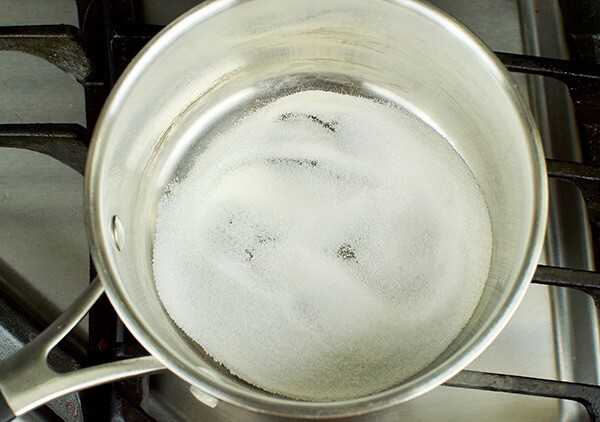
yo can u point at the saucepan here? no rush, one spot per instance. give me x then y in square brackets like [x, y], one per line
[226, 53]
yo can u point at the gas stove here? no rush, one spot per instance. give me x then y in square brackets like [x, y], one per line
[58, 61]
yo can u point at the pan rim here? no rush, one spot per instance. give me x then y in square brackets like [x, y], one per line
[98, 236]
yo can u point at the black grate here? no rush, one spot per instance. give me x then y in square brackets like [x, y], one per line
[110, 36]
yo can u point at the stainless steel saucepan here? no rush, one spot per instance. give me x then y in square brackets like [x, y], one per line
[227, 55]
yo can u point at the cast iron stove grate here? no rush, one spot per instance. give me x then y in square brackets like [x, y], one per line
[111, 34]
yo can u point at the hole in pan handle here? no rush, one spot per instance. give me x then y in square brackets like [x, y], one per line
[26, 380]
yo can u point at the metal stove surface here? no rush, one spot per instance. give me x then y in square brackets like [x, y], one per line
[554, 334]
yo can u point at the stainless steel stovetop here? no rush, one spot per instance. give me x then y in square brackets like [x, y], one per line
[553, 335]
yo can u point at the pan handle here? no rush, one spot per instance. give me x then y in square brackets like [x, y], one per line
[26, 380]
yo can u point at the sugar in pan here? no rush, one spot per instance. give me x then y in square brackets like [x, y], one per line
[325, 247]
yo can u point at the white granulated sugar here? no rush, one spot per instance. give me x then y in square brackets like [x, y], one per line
[325, 247]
